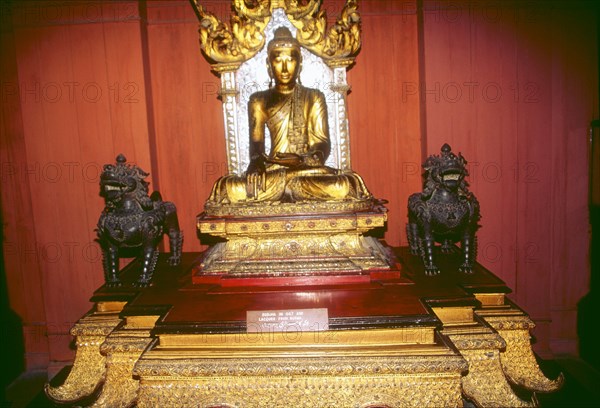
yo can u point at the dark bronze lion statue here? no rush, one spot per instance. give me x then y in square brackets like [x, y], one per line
[133, 221]
[445, 212]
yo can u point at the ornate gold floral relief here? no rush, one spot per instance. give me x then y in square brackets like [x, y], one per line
[350, 381]
[310, 392]
[244, 36]
[518, 361]
[237, 41]
[88, 370]
[122, 350]
[485, 383]
[341, 40]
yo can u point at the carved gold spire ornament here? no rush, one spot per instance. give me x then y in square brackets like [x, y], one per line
[340, 41]
[244, 36]
[235, 42]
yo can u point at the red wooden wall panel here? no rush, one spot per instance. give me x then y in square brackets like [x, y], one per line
[510, 85]
[462, 88]
[514, 87]
[188, 118]
[385, 127]
[82, 101]
[574, 104]
[23, 270]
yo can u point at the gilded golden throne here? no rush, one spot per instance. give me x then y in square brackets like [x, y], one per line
[274, 237]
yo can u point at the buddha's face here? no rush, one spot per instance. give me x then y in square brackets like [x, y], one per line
[284, 63]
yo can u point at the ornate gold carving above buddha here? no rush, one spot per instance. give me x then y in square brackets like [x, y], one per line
[234, 43]
[342, 40]
[296, 116]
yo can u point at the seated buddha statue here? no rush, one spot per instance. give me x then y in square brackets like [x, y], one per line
[294, 170]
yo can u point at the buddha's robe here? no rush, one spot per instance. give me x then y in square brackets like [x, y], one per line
[297, 123]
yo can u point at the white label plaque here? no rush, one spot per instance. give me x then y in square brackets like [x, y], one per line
[289, 320]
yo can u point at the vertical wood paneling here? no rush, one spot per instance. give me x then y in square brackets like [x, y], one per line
[74, 71]
[384, 116]
[574, 105]
[526, 144]
[51, 140]
[188, 117]
[466, 91]
[534, 153]
[23, 271]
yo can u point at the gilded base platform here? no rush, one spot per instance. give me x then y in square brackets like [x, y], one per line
[292, 245]
[304, 382]
[411, 341]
